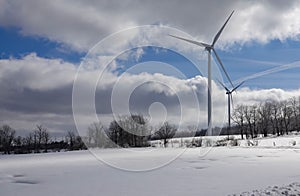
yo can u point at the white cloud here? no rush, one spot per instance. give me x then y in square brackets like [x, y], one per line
[36, 90]
[36, 73]
[257, 96]
[81, 24]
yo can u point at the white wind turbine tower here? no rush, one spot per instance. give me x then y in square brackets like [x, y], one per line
[229, 94]
[209, 48]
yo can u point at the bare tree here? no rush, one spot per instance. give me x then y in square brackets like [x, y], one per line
[97, 134]
[287, 115]
[165, 132]
[136, 129]
[275, 117]
[298, 119]
[38, 135]
[28, 142]
[116, 133]
[249, 120]
[129, 131]
[89, 137]
[238, 117]
[45, 139]
[254, 115]
[296, 115]
[18, 141]
[140, 129]
[70, 138]
[74, 141]
[41, 138]
[7, 135]
[264, 112]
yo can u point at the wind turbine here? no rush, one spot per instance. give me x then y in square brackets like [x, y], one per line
[229, 94]
[209, 48]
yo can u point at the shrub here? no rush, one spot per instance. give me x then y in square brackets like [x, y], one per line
[198, 142]
[233, 142]
[293, 143]
[222, 142]
[208, 142]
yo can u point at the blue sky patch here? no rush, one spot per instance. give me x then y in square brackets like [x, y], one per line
[15, 45]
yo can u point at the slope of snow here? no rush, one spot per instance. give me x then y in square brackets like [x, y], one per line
[221, 171]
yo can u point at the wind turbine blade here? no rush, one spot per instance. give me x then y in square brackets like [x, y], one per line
[238, 86]
[232, 105]
[191, 41]
[220, 62]
[220, 31]
[224, 86]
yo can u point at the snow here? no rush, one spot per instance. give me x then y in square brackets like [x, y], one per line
[283, 141]
[198, 171]
[291, 189]
[271, 141]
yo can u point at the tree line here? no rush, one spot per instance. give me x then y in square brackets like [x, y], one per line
[37, 141]
[268, 118]
[126, 131]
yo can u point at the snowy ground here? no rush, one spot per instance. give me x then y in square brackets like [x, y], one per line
[271, 141]
[292, 189]
[221, 171]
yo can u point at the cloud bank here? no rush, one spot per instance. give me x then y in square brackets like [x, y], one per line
[80, 24]
[36, 90]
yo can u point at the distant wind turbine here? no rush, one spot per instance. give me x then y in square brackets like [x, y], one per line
[229, 94]
[209, 48]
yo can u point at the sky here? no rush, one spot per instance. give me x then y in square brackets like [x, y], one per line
[119, 59]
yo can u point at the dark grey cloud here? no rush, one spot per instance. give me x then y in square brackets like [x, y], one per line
[35, 101]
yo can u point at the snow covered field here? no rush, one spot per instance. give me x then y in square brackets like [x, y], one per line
[221, 171]
[271, 141]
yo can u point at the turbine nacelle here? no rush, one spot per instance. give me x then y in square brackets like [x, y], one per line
[209, 48]
[234, 89]
[229, 92]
